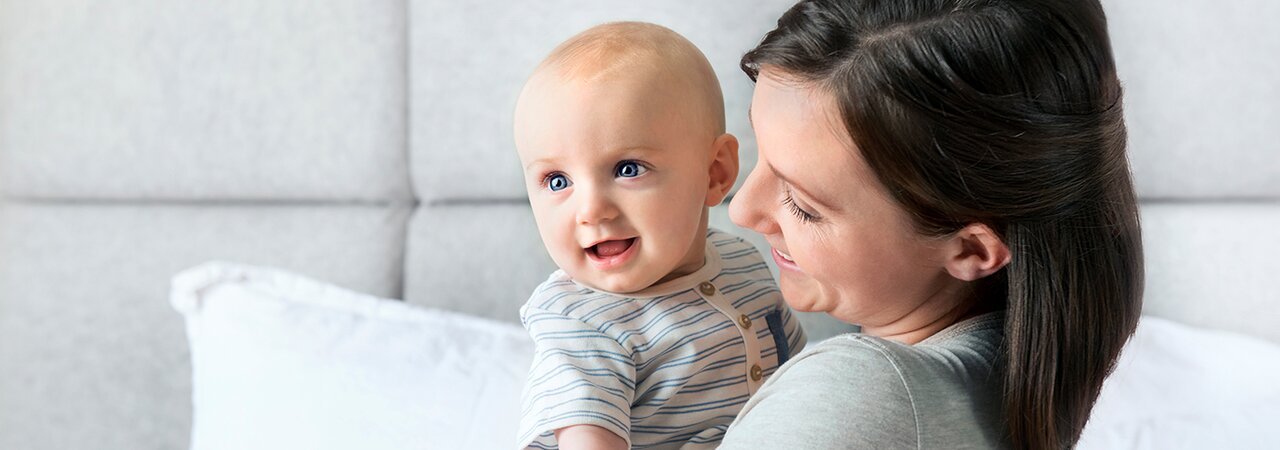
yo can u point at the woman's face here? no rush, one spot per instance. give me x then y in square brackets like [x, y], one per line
[842, 245]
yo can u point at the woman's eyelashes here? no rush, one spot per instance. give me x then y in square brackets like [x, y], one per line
[800, 213]
[558, 181]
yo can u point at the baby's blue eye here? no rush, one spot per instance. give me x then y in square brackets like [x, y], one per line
[557, 182]
[629, 169]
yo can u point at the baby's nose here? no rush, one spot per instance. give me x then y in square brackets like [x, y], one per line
[596, 208]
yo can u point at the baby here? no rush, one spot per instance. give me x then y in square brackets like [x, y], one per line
[655, 330]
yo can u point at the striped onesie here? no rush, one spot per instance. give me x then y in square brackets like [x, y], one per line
[666, 367]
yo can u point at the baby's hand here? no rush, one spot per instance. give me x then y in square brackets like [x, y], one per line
[589, 437]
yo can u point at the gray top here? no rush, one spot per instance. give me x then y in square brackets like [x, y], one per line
[855, 391]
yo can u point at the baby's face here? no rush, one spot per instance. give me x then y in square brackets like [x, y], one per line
[617, 178]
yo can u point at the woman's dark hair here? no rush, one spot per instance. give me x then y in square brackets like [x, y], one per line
[1005, 113]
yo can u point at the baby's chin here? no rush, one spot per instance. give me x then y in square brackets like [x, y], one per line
[619, 283]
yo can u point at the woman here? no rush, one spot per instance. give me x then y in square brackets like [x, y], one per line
[951, 176]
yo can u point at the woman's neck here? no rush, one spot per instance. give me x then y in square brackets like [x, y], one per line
[922, 323]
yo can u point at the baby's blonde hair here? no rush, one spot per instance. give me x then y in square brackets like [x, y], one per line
[640, 49]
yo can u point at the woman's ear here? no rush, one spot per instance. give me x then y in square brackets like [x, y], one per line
[724, 168]
[975, 251]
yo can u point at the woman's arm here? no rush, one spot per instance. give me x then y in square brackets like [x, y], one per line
[589, 437]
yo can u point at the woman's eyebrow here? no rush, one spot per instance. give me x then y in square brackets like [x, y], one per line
[807, 194]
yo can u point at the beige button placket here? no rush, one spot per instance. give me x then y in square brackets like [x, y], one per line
[752, 369]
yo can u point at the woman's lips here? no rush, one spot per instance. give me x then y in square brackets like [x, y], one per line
[612, 253]
[784, 255]
[784, 261]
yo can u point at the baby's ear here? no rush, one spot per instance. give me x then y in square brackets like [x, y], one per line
[724, 168]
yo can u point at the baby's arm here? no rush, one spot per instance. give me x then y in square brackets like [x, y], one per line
[588, 437]
[580, 376]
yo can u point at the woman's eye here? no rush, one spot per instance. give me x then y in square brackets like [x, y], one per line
[629, 169]
[557, 182]
[800, 213]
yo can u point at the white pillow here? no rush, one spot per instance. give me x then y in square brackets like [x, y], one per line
[1177, 386]
[283, 362]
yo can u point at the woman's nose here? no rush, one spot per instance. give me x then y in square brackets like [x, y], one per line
[746, 209]
[595, 206]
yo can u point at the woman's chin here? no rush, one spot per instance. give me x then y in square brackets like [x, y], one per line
[798, 296]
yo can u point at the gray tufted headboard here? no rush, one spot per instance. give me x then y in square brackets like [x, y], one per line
[368, 144]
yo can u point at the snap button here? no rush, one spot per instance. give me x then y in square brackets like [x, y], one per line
[756, 372]
[745, 322]
[707, 288]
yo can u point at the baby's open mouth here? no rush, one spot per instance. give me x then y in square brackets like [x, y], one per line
[608, 249]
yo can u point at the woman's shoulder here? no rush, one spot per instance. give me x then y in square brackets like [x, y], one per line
[842, 393]
[849, 358]
[964, 350]
[930, 373]
[858, 391]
